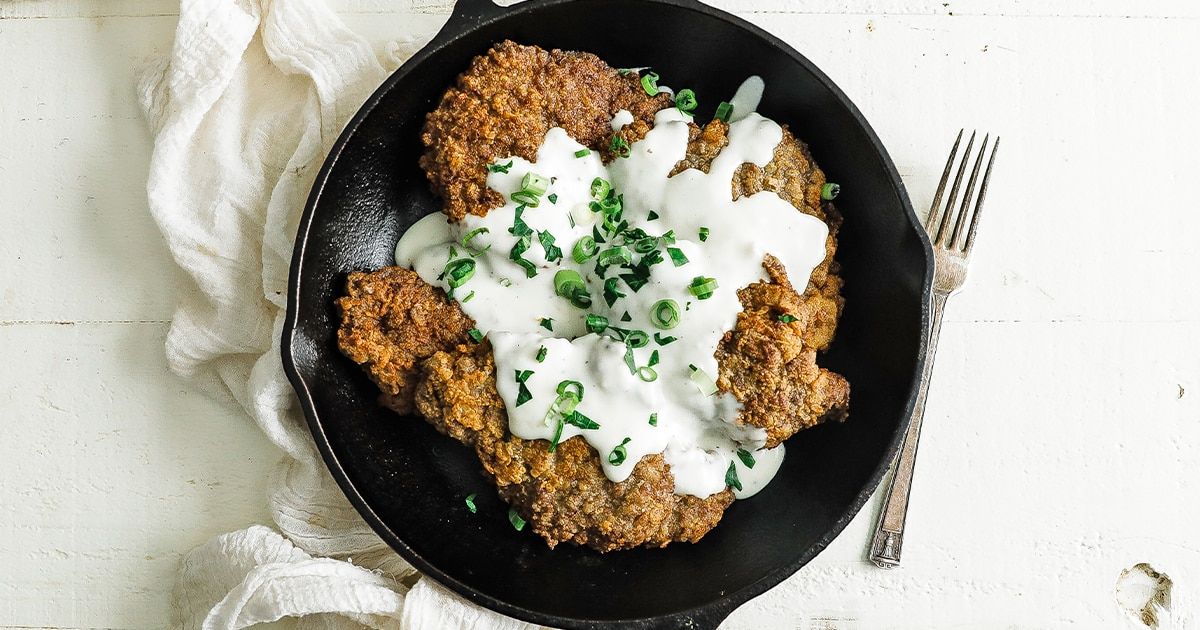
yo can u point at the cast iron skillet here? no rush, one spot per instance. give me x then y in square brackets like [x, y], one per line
[409, 482]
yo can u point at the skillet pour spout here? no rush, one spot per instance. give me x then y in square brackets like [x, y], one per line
[408, 481]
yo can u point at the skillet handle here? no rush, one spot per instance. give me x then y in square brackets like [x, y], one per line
[468, 15]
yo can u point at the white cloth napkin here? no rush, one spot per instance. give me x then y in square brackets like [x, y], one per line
[243, 111]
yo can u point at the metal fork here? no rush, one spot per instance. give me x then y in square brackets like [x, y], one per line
[951, 253]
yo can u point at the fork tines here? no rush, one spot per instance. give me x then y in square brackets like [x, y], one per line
[945, 225]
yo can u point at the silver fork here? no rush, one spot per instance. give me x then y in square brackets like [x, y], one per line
[951, 252]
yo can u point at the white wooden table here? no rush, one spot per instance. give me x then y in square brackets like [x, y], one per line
[1061, 438]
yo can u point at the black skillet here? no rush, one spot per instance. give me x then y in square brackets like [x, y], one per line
[409, 482]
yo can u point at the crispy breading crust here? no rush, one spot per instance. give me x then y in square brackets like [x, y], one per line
[414, 344]
[506, 102]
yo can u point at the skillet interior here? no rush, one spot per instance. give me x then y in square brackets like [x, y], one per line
[409, 481]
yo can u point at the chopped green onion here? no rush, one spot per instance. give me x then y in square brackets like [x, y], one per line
[459, 271]
[685, 100]
[661, 340]
[677, 256]
[504, 282]
[519, 227]
[534, 183]
[626, 317]
[618, 454]
[584, 249]
[653, 359]
[668, 237]
[500, 168]
[645, 245]
[596, 236]
[583, 153]
[596, 323]
[466, 240]
[611, 293]
[613, 256]
[731, 478]
[471, 503]
[703, 234]
[746, 457]
[600, 188]
[523, 375]
[652, 216]
[579, 420]
[629, 360]
[574, 388]
[654, 419]
[829, 191]
[647, 374]
[786, 318]
[526, 198]
[702, 287]
[650, 83]
[637, 339]
[541, 354]
[518, 523]
[547, 323]
[523, 395]
[569, 284]
[553, 252]
[619, 147]
[553, 198]
[665, 314]
[468, 298]
[724, 111]
[518, 248]
[703, 381]
[475, 335]
[558, 428]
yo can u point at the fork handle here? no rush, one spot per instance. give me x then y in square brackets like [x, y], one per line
[889, 531]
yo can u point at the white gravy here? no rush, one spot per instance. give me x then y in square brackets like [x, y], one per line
[695, 432]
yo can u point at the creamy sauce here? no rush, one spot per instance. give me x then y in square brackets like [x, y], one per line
[694, 430]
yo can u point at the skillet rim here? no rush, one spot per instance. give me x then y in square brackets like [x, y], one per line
[715, 610]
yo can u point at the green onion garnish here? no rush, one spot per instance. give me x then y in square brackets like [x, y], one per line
[677, 256]
[611, 293]
[746, 457]
[636, 338]
[518, 523]
[619, 147]
[665, 314]
[702, 380]
[600, 188]
[584, 249]
[526, 198]
[618, 454]
[500, 168]
[661, 340]
[523, 395]
[553, 252]
[558, 428]
[579, 420]
[547, 323]
[731, 478]
[786, 318]
[685, 100]
[582, 153]
[574, 388]
[645, 245]
[668, 237]
[596, 323]
[724, 111]
[523, 375]
[626, 317]
[703, 234]
[650, 83]
[702, 287]
[468, 298]
[475, 335]
[613, 256]
[466, 240]
[534, 183]
[651, 216]
[459, 271]
[829, 191]
[653, 359]
[647, 374]
[654, 419]
[629, 360]
[541, 354]
[471, 503]
[553, 198]
[569, 284]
